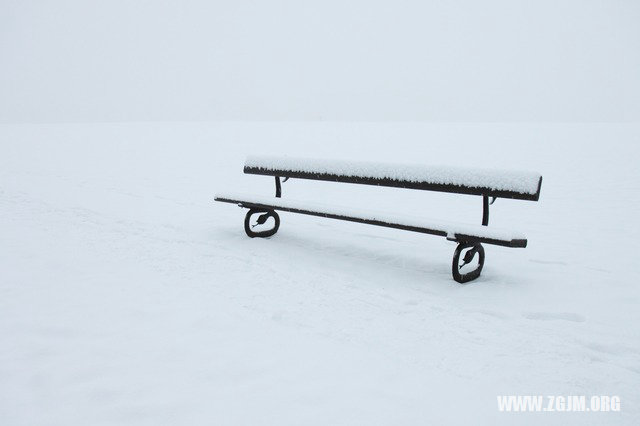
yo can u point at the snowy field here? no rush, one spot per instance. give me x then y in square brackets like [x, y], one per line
[129, 297]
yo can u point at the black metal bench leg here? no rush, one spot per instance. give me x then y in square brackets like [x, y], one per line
[262, 219]
[472, 249]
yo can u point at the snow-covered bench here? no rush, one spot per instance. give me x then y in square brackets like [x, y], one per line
[490, 184]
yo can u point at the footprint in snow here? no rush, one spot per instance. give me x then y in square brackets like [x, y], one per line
[548, 262]
[554, 316]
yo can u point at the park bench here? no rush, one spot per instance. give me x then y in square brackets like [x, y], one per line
[489, 184]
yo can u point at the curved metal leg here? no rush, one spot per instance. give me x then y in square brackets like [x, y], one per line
[472, 250]
[264, 216]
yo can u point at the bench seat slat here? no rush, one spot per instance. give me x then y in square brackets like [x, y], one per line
[450, 230]
[495, 183]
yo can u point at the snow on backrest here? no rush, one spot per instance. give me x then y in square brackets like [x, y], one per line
[522, 182]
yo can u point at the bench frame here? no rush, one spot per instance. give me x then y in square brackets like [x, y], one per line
[468, 246]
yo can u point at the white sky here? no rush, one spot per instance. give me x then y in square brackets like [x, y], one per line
[466, 60]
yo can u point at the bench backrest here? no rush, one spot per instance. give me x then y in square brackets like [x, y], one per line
[520, 185]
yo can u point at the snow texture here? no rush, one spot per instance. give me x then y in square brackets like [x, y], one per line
[523, 182]
[451, 228]
[129, 297]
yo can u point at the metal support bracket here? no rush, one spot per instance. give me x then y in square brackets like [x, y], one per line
[278, 187]
[473, 249]
[485, 210]
[262, 219]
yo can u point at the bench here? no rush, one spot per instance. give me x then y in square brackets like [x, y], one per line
[489, 184]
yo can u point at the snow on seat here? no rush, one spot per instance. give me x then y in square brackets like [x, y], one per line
[516, 184]
[450, 230]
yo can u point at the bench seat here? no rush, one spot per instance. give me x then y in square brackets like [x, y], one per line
[452, 231]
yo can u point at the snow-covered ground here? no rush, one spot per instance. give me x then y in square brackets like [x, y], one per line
[127, 296]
